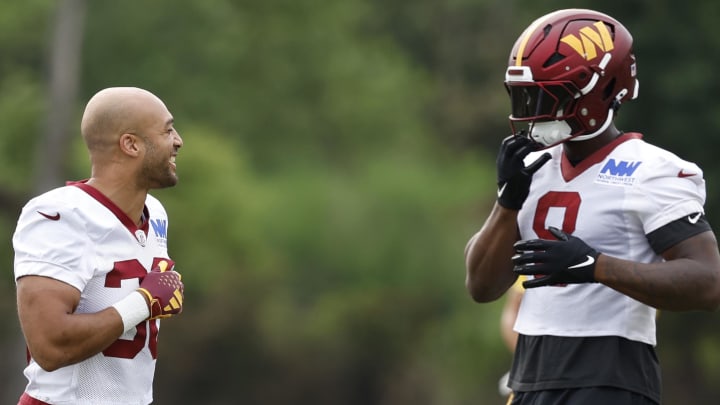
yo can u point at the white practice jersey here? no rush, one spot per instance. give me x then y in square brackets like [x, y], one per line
[76, 235]
[611, 200]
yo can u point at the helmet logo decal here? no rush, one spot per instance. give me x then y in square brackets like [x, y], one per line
[590, 40]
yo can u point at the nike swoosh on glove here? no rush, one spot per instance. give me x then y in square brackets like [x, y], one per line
[567, 260]
[513, 177]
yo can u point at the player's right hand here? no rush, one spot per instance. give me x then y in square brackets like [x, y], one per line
[163, 290]
[513, 177]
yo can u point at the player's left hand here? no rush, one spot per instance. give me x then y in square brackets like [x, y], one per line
[567, 260]
[164, 291]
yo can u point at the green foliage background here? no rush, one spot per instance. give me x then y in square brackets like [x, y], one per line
[338, 155]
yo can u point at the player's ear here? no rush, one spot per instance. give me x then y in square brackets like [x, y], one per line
[130, 144]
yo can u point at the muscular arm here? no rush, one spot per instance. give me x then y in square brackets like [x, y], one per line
[488, 264]
[689, 279]
[489, 270]
[55, 335]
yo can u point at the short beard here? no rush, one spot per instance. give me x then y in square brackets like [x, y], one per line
[155, 173]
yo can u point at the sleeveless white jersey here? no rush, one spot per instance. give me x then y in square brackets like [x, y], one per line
[611, 200]
[76, 235]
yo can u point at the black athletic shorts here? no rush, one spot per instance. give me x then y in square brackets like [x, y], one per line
[581, 396]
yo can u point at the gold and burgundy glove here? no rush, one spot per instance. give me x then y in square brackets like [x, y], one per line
[160, 295]
[163, 289]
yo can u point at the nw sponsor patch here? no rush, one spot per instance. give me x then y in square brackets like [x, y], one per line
[159, 227]
[618, 173]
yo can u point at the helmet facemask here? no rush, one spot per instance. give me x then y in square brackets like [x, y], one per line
[545, 107]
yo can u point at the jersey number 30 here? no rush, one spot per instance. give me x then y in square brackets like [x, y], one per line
[128, 349]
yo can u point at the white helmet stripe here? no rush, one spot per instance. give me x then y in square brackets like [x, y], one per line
[605, 60]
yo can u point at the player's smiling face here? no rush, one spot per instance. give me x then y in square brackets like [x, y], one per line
[162, 141]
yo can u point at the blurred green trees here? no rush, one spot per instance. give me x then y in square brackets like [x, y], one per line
[338, 155]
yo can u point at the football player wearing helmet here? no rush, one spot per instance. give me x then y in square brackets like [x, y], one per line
[607, 227]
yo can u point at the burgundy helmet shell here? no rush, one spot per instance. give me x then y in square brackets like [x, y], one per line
[567, 74]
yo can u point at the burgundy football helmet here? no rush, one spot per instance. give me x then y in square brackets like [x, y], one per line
[568, 73]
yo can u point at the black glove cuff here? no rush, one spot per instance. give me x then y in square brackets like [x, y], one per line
[512, 194]
[584, 272]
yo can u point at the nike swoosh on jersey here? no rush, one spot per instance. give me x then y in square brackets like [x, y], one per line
[590, 260]
[682, 174]
[694, 218]
[50, 217]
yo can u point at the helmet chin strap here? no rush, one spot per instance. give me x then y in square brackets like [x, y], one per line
[611, 114]
[550, 133]
[603, 127]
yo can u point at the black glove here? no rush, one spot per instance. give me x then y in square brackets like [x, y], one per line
[513, 177]
[567, 260]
